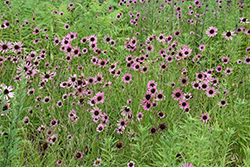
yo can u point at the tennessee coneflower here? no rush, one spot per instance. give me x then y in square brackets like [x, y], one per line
[100, 128]
[225, 60]
[119, 145]
[152, 84]
[228, 35]
[202, 47]
[204, 117]
[96, 112]
[204, 85]
[92, 39]
[162, 126]
[187, 96]
[4, 47]
[211, 92]
[222, 103]
[46, 99]
[177, 33]
[244, 20]
[147, 105]
[17, 46]
[228, 71]
[120, 130]
[99, 97]
[184, 81]
[149, 48]
[53, 122]
[41, 128]
[36, 30]
[183, 104]
[139, 116]
[219, 68]
[97, 162]
[66, 26]
[153, 130]
[127, 77]
[31, 91]
[211, 31]
[131, 164]
[59, 162]
[187, 164]
[186, 109]
[161, 115]
[122, 123]
[247, 60]
[177, 94]
[159, 96]
[6, 91]
[26, 120]
[49, 132]
[78, 155]
[126, 111]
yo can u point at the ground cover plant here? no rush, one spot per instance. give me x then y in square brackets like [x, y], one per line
[132, 83]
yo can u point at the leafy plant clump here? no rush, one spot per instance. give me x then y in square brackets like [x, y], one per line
[125, 83]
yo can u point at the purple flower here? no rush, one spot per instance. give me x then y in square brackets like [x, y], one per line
[131, 164]
[187, 165]
[204, 117]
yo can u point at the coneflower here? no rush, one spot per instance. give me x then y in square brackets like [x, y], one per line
[204, 117]
[228, 35]
[119, 145]
[97, 162]
[131, 164]
[127, 77]
[211, 31]
[26, 120]
[177, 94]
[78, 155]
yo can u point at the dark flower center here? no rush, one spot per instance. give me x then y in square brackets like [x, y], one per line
[16, 47]
[96, 113]
[99, 98]
[211, 92]
[5, 108]
[4, 46]
[130, 164]
[119, 145]
[177, 94]
[6, 91]
[148, 97]
[54, 139]
[47, 75]
[153, 130]
[162, 126]
[68, 49]
[228, 34]
[204, 86]
[204, 117]
[78, 155]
